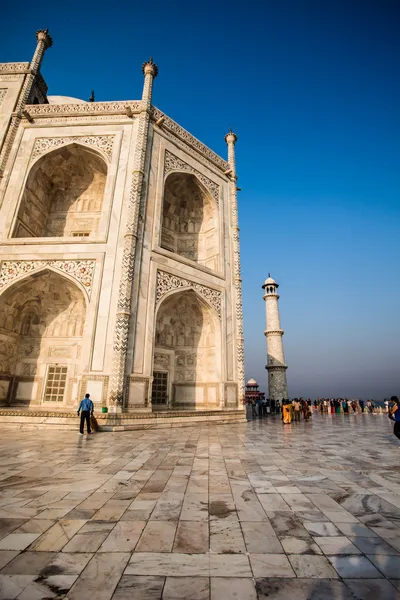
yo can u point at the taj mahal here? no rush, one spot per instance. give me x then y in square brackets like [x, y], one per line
[120, 261]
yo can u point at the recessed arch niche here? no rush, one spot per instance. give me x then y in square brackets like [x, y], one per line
[63, 194]
[42, 318]
[187, 350]
[190, 220]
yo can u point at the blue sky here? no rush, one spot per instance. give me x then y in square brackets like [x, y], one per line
[313, 91]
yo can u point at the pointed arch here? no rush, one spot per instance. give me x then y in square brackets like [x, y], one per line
[42, 318]
[63, 193]
[190, 219]
[187, 351]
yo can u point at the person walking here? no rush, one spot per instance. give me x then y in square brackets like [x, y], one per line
[86, 408]
[297, 409]
[394, 413]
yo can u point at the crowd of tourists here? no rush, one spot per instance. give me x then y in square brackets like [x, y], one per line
[297, 408]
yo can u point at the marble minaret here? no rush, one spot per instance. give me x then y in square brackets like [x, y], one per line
[277, 385]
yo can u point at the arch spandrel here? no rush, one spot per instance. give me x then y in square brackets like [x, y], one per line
[168, 284]
[79, 272]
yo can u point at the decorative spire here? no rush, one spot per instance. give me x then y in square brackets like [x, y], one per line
[231, 138]
[150, 67]
[42, 35]
[91, 99]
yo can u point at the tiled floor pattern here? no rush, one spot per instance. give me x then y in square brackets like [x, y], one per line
[307, 511]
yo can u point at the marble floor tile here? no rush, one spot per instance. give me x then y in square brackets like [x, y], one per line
[322, 529]
[226, 537]
[388, 565]
[111, 510]
[231, 588]
[6, 556]
[294, 545]
[302, 589]
[11, 586]
[100, 577]
[123, 537]
[372, 589]
[273, 502]
[356, 529]
[55, 586]
[182, 588]
[310, 566]
[55, 538]
[271, 565]
[374, 545]
[336, 545]
[195, 507]
[229, 565]
[354, 567]
[28, 563]
[285, 524]
[90, 537]
[158, 536]
[192, 537]
[18, 541]
[340, 516]
[135, 587]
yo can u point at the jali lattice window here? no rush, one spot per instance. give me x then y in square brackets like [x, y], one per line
[160, 388]
[55, 384]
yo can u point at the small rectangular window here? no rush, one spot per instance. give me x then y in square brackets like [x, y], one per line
[55, 384]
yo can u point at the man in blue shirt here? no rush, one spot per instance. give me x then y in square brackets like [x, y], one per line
[395, 413]
[87, 408]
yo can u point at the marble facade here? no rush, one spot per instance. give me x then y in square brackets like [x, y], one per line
[119, 265]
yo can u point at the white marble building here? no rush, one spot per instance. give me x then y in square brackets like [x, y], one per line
[119, 264]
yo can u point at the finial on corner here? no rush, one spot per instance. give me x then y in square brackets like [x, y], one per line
[91, 99]
[150, 67]
[231, 138]
[42, 35]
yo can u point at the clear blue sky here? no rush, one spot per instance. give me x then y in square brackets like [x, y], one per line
[313, 91]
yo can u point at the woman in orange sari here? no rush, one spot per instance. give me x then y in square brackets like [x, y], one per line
[287, 411]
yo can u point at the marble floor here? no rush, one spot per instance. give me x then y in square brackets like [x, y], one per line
[307, 511]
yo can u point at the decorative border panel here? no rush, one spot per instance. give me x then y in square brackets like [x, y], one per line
[103, 143]
[84, 108]
[14, 67]
[173, 163]
[189, 139]
[3, 94]
[81, 270]
[167, 282]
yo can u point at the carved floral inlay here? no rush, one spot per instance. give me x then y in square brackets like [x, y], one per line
[81, 270]
[3, 93]
[104, 143]
[167, 282]
[173, 163]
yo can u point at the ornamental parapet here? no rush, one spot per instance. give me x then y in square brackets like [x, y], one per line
[12, 68]
[49, 111]
[86, 108]
[183, 135]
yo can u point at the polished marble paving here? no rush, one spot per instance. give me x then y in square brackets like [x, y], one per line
[307, 511]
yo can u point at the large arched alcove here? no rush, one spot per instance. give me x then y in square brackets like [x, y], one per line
[63, 194]
[41, 327]
[187, 353]
[190, 220]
